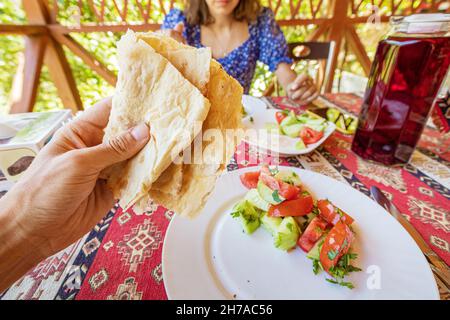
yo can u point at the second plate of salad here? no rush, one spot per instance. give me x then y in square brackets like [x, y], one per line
[290, 133]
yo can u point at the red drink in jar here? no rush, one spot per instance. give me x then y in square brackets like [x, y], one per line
[409, 68]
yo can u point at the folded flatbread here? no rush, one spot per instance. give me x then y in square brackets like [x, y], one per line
[193, 65]
[150, 89]
[219, 141]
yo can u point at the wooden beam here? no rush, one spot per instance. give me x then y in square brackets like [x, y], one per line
[29, 30]
[358, 49]
[62, 76]
[336, 34]
[26, 82]
[86, 56]
[36, 11]
[320, 31]
[104, 28]
[302, 22]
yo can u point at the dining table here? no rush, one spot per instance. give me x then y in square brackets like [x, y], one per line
[121, 257]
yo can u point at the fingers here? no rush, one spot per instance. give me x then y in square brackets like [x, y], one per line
[308, 94]
[98, 114]
[117, 149]
[297, 94]
[86, 130]
[298, 82]
[302, 90]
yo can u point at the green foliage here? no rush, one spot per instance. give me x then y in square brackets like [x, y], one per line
[92, 87]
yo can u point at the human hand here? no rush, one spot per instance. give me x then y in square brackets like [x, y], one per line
[176, 33]
[302, 90]
[60, 197]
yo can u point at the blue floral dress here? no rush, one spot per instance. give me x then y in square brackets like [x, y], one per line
[266, 43]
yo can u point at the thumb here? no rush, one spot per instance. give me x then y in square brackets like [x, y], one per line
[179, 27]
[117, 149]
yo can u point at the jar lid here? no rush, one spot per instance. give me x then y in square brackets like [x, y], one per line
[423, 23]
[428, 17]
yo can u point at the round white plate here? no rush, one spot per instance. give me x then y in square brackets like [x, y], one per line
[278, 144]
[211, 258]
[252, 104]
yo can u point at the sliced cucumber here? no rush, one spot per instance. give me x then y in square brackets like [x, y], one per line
[269, 195]
[292, 130]
[332, 114]
[314, 253]
[288, 176]
[287, 234]
[300, 145]
[308, 120]
[248, 215]
[288, 121]
[317, 127]
[256, 200]
[270, 223]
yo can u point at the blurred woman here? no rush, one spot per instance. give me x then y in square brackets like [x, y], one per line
[240, 33]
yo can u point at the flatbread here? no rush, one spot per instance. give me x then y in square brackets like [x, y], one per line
[198, 180]
[193, 65]
[190, 61]
[151, 90]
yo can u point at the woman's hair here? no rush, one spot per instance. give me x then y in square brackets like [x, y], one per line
[197, 11]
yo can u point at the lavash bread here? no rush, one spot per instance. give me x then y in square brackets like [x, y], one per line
[151, 90]
[198, 180]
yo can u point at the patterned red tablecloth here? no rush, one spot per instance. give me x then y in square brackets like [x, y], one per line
[121, 257]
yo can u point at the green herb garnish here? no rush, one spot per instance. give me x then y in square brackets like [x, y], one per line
[341, 283]
[332, 254]
[342, 269]
[276, 196]
[235, 214]
[290, 227]
[273, 171]
[317, 266]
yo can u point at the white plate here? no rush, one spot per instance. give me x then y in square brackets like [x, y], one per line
[252, 104]
[211, 258]
[278, 144]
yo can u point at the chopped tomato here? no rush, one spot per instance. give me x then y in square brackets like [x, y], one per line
[310, 136]
[293, 208]
[280, 116]
[336, 244]
[315, 229]
[250, 179]
[286, 190]
[331, 214]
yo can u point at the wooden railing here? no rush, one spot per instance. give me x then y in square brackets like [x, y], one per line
[334, 20]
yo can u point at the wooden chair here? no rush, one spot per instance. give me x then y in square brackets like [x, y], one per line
[310, 51]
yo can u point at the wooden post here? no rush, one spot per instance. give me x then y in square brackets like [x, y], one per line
[62, 76]
[26, 82]
[337, 31]
[358, 49]
[47, 48]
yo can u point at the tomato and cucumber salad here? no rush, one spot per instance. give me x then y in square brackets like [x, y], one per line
[279, 202]
[308, 128]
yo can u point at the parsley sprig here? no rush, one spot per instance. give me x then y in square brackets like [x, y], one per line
[342, 269]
